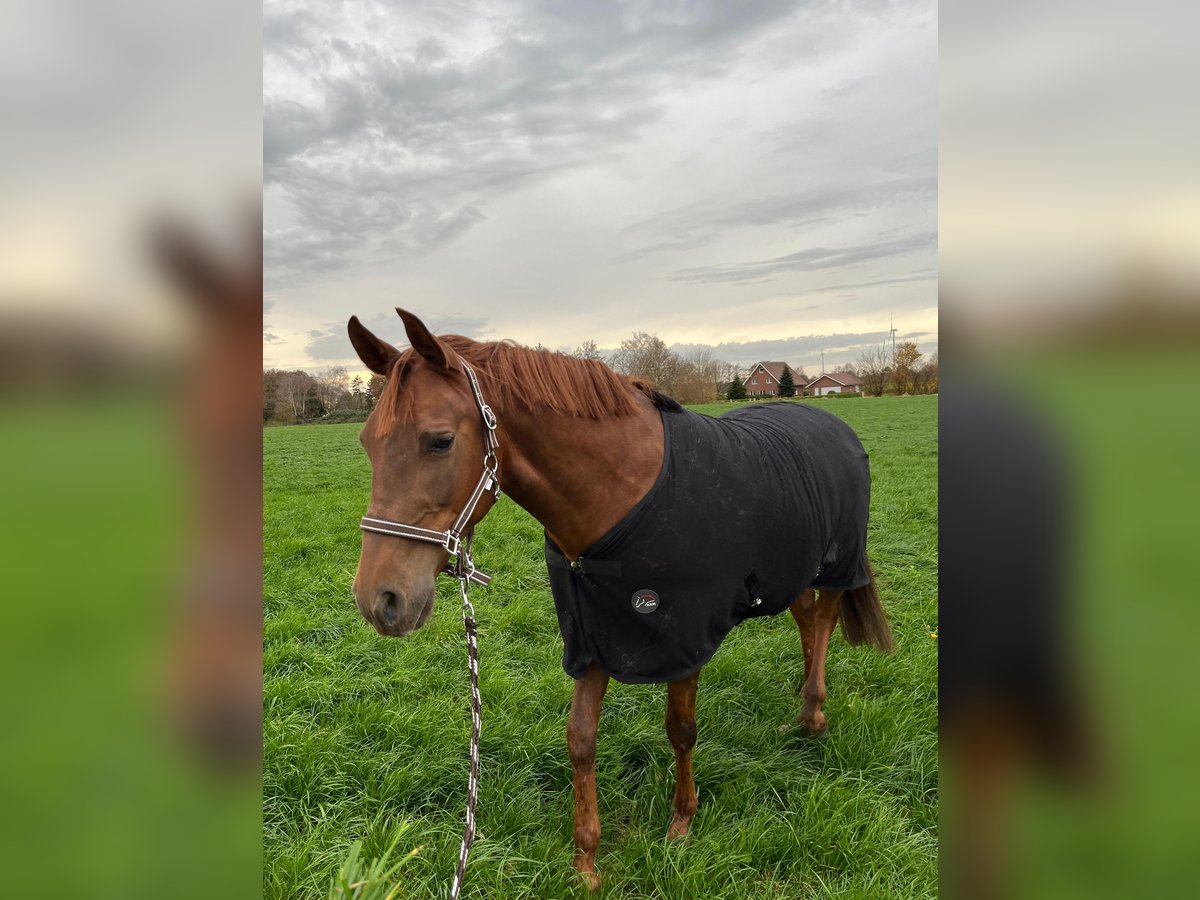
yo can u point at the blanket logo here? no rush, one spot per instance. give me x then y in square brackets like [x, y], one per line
[644, 601]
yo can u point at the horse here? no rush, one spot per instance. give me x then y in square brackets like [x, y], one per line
[604, 463]
[215, 680]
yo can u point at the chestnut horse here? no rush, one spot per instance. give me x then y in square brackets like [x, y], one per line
[579, 446]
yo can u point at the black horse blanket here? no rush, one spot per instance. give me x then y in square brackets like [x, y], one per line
[749, 510]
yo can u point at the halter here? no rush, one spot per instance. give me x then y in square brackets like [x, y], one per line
[456, 539]
[457, 542]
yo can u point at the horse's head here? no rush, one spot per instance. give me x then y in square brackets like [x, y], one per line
[425, 440]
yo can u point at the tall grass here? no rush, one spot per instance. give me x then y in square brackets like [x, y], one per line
[361, 730]
[377, 878]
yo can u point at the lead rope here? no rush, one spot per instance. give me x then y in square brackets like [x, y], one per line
[464, 571]
[457, 542]
[476, 724]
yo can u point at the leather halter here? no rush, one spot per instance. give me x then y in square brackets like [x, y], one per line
[456, 539]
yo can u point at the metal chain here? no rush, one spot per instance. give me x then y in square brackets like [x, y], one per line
[476, 725]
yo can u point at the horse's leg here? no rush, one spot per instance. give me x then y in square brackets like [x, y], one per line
[816, 616]
[581, 740]
[802, 611]
[681, 730]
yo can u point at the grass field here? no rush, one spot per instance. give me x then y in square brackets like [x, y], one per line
[365, 735]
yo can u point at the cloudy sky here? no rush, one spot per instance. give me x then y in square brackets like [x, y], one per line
[760, 177]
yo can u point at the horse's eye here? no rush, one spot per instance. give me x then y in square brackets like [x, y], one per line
[441, 443]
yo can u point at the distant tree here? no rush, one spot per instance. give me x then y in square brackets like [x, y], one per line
[375, 390]
[736, 389]
[270, 384]
[293, 390]
[312, 406]
[925, 376]
[645, 356]
[694, 378]
[331, 387]
[873, 370]
[787, 385]
[698, 376]
[907, 355]
[848, 368]
[728, 372]
[588, 350]
[358, 394]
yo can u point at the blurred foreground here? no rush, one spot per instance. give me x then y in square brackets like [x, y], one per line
[1068, 616]
[129, 317]
[1070, 318]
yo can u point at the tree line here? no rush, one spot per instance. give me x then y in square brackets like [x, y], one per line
[294, 396]
[910, 372]
[693, 377]
[906, 374]
[698, 376]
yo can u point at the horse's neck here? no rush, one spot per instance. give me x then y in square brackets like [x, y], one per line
[578, 477]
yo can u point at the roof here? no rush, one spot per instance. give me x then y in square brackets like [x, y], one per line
[774, 369]
[846, 379]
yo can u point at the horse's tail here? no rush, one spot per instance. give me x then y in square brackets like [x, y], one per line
[863, 619]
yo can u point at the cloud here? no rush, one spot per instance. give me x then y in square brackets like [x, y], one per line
[809, 260]
[702, 222]
[468, 326]
[390, 147]
[805, 352]
[919, 275]
[522, 164]
[331, 343]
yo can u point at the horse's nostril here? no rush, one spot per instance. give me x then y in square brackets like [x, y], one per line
[387, 607]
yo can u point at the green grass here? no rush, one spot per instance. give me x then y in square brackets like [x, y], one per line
[365, 735]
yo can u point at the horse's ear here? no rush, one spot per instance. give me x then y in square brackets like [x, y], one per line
[429, 347]
[377, 355]
[188, 263]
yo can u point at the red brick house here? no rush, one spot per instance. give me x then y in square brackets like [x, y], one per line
[835, 383]
[763, 379]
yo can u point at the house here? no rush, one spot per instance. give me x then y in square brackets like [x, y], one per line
[834, 383]
[763, 379]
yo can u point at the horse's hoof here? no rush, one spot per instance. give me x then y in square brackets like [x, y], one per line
[679, 829]
[590, 879]
[585, 865]
[814, 724]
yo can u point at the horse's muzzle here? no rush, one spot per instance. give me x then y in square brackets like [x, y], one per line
[394, 615]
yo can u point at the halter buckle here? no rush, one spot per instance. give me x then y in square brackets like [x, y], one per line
[489, 417]
[452, 542]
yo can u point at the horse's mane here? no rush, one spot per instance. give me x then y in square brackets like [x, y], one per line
[532, 380]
